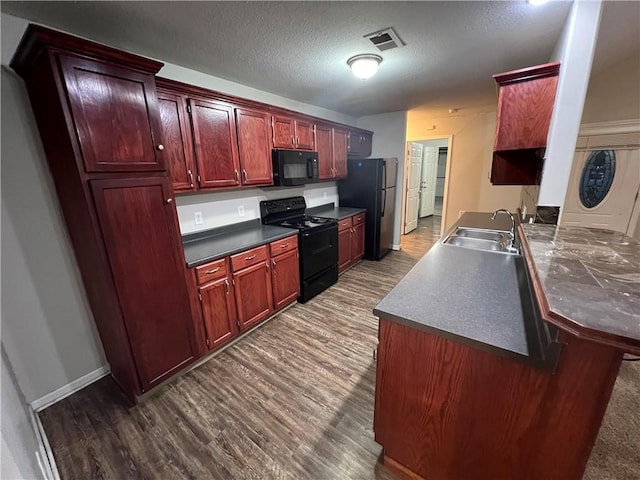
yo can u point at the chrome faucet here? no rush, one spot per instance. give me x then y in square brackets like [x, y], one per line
[512, 232]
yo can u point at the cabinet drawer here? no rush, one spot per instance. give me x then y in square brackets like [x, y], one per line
[211, 271]
[248, 258]
[344, 224]
[358, 219]
[284, 245]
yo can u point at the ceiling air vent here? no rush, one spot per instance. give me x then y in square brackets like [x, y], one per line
[385, 39]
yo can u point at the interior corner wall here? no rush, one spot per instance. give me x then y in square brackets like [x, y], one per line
[614, 93]
[47, 326]
[389, 140]
[574, 51]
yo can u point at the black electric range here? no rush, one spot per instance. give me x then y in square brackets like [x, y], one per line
[317, 242]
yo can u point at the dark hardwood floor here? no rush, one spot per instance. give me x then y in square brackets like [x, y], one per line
[292, 400]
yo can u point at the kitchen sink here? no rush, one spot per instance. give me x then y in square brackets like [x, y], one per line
[481, 239]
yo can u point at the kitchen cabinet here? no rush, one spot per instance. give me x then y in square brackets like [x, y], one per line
[138, 224]
[218, 304]
[525, 104]
[252, 286]
[292, 133]
[350, 241]
[254, 149]
[340, 139]
[285, 271]
[324, 147]
[178, 144]
[97, 113]
[215, 142]
[360, 143]
[115, 114]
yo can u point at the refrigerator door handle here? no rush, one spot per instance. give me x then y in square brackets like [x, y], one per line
[384, 176]
[384, 202]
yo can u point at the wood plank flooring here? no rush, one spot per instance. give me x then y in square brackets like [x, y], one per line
[292, 400]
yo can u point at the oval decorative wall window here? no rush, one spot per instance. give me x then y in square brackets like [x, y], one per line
[597, 177]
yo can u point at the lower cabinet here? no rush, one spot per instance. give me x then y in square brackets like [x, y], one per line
[350, 241]
[218, 312]
[285, 273]
[254, 297]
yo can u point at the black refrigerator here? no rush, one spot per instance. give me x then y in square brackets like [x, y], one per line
[371, 184]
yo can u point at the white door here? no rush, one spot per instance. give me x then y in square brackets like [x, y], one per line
[604, 183]
[428, 181]
[413, 187]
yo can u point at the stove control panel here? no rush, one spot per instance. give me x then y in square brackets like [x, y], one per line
[281, 205]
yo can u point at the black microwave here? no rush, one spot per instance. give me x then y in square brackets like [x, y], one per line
[291, 167]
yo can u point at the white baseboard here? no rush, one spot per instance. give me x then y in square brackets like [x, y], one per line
[66, 390]
[396, 247]
[46, 461]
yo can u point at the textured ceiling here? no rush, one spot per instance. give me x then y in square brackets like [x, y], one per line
[299, 49]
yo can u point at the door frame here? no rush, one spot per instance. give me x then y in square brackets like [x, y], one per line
[447, 176]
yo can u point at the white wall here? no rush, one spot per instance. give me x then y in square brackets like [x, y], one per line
[19, 444]
[389, 140]
[221, 208]
[575, 52]
[47, 327]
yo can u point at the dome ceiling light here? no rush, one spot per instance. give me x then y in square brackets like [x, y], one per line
[364, 66]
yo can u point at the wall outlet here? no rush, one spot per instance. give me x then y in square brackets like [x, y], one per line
[197, 218]
[324, 195]
[240, 211]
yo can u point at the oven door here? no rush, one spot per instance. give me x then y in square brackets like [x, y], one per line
[318, 250]
[292, 168]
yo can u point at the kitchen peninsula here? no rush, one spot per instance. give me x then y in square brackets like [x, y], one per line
[511, 378]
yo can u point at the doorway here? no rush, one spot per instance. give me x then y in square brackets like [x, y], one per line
[424, 193]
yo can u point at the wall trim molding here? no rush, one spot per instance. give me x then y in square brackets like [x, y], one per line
[396, 247]
[68, 389]
[46, 461]
[606, 128]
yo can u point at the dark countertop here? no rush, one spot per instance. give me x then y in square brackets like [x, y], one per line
[203, 247]
[590, 277]
[331, 211]
[474, 297]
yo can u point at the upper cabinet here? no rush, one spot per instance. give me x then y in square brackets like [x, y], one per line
[360, 143]
[115, 113]
[324, 147]
[525, 105]
[292, 133]
[340, 149]
[253, 146]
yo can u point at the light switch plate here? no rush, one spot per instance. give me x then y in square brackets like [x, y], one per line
[240, 211]
[197, 218]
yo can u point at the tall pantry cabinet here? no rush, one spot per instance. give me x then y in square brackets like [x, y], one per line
[98, 117]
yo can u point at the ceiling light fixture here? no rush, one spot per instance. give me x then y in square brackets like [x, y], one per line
[537, 2]
[364, 66]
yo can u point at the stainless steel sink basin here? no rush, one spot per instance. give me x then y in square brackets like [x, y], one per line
[494, 235]
[481, 239]
[475, 243]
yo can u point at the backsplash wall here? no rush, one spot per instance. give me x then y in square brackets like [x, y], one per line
[221, 208]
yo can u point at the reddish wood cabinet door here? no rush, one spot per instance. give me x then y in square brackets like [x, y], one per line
[254, 297]
[219, 312]
[115, 112]
[142, 241]
[357, 242]
[285, 274]
[340, 150]
[178, 144]
[305, 135]
[254, 148]
[283, 132]
[216, 144]
[344, 249]
[324, 147]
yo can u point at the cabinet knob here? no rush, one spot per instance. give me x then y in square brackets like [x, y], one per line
[160, 147]
[169, 200]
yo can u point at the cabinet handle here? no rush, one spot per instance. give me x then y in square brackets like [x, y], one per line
[213, 270]
[244, 175]
[267, 264]
[160, 147]
[297, 140]
[251, 257]
[293, 140]
[235, 172]
[226, 285]
[190, 178]
[169, 200]
[274, 263]
[284, 246]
